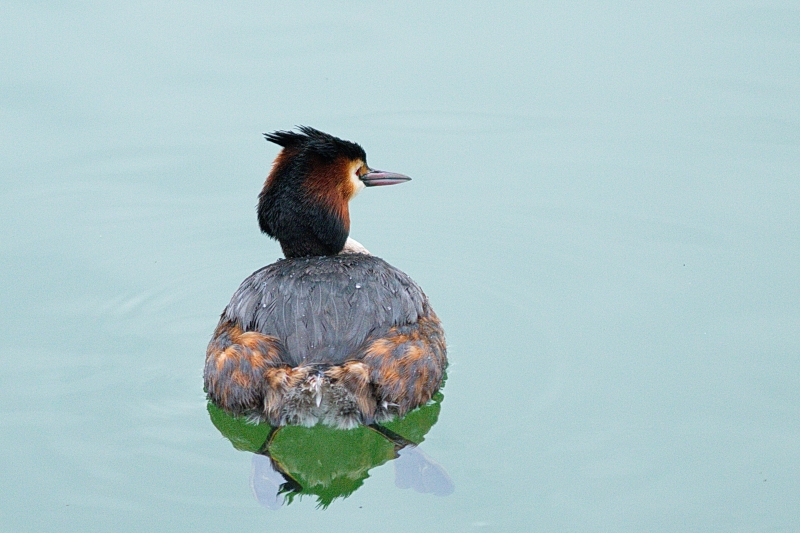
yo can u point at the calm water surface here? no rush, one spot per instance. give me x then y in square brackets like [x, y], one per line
[604, 213]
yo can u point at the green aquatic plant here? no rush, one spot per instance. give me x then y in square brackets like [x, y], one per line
[323, 462]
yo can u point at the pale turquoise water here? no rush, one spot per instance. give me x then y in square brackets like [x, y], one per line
[604, 213]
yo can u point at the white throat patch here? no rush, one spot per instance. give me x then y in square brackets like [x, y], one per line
[358, 185]
[352, 246]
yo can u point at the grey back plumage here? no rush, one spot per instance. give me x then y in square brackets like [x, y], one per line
[324, 309]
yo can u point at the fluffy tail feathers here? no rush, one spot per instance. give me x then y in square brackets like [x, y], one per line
[246, 374]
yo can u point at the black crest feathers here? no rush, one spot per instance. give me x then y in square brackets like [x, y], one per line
[311, 140]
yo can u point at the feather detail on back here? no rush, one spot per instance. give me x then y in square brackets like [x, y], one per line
[324, 309]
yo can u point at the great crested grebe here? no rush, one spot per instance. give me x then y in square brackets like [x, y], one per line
[330, 334]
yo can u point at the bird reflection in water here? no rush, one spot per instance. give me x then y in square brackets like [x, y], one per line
[327, 464]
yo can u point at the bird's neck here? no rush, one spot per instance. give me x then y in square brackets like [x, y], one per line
[304, 207]
[318, 232]
[303, 225]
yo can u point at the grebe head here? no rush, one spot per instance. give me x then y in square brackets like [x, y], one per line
[304, 202]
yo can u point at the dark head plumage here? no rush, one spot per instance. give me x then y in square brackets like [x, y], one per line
[304, 202]
[316, 142]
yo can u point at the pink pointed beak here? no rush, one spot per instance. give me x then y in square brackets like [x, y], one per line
[373, 178]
